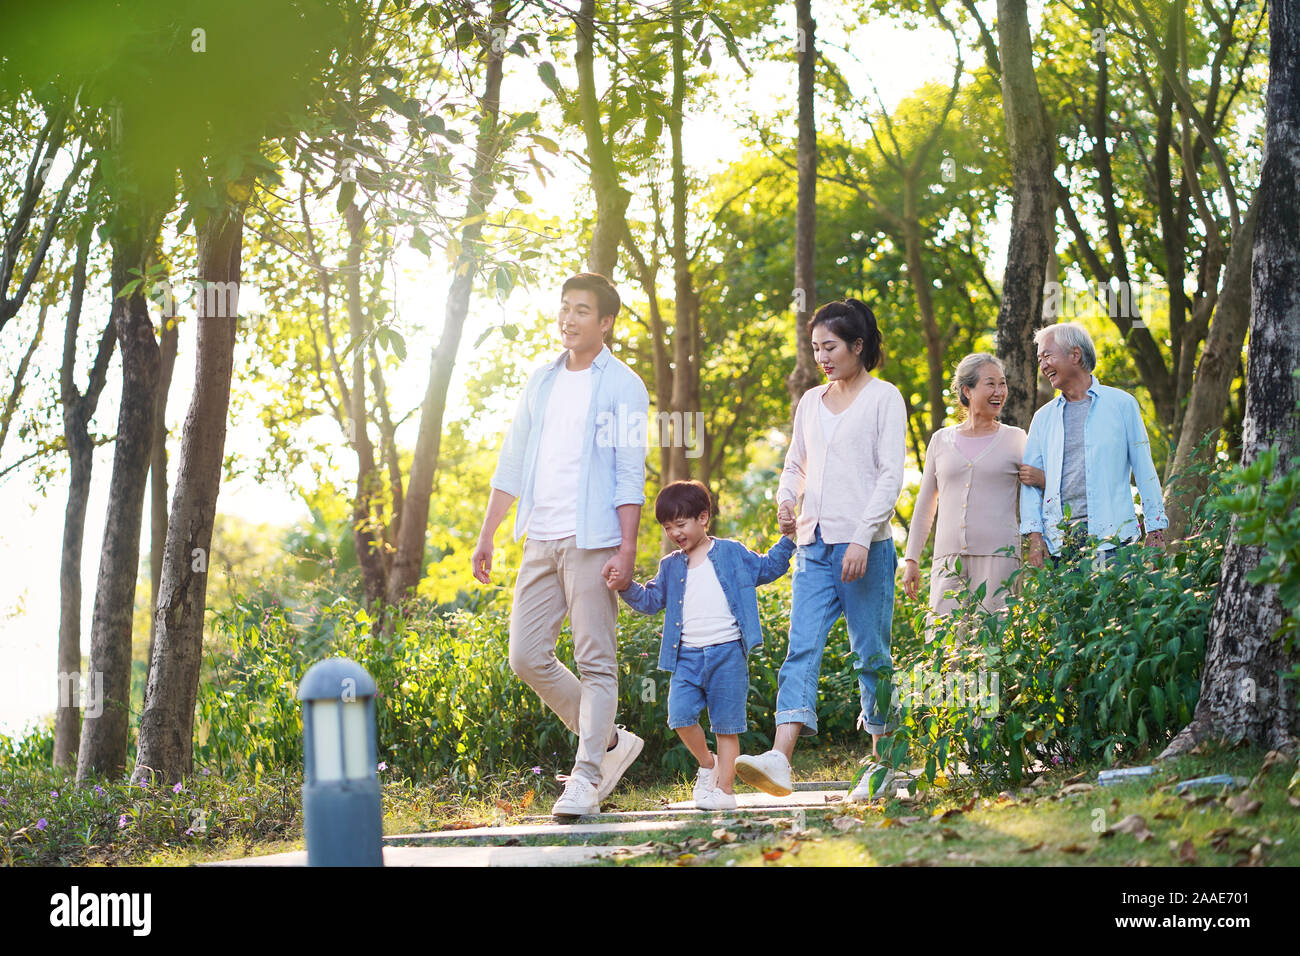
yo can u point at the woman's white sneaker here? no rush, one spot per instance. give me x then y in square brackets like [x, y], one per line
[769, 772]
[864, 792]
[718, 799]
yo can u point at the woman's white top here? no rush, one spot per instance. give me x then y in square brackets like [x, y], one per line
[849, 481]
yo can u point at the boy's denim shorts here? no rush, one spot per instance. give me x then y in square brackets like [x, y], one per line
[716, 676]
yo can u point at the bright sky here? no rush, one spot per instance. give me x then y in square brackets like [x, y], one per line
[31, 540]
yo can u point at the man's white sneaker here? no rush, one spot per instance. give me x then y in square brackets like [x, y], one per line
[864, 792]
[704, 782]
[579, 799]
[769, 772]
[616, 761]
[718, 799]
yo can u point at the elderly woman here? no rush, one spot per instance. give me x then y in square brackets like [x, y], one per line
[972, 480]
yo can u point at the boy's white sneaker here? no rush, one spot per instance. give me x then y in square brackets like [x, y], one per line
[579, 799]
[864, 792]
[616, 761]
[718, 799]
[704, 782]
[769, 772]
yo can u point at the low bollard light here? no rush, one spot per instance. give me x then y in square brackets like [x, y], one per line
[341, 815]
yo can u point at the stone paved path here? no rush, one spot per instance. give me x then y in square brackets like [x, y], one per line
[538, 841]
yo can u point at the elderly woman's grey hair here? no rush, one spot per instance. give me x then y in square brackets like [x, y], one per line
[968, 373]
[1069, 336]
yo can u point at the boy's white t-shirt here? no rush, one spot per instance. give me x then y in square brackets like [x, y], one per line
[559, 457]
[706, 615]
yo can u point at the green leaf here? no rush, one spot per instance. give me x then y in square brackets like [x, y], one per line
[347, 190]
[546, 71]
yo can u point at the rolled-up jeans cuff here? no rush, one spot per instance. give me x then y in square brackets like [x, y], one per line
[799, 715]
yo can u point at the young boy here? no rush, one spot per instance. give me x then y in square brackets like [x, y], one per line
[708, 588]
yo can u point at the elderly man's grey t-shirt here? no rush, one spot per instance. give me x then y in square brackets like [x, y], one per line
[1074, 476]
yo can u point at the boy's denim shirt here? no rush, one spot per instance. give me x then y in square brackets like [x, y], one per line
[612, 471]
[739, 571]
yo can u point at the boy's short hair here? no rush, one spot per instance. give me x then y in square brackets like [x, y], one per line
[682, 499]
[607, 298]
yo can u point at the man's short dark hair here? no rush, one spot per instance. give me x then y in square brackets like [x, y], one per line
[607, 300]
[682, 499]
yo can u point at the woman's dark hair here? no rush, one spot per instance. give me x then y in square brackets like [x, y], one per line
[681, 499]
[851, 320]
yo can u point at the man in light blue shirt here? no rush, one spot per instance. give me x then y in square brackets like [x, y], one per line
[574, 457]
[1089, 442]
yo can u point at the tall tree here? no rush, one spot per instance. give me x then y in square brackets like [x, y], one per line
[78, 409]
[805, 374]
[414, 510]
[167, 721]
[1245, 693]
[1032, 229]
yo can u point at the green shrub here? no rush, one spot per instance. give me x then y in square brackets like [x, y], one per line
[1084, 664]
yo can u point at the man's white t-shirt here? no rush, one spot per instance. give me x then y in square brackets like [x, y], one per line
[555, 489]
[706, 615]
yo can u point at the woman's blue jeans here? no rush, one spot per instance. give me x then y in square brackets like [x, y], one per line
[819, 597]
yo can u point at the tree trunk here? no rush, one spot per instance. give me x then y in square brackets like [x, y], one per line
[77, 412]
[1208, 400]
[805, 374]
[611, 200]
[405, 572]
[365, 538]
[158, 473]
[167, 721]
[686, 303]
[1032, 233]
[920, 280]
[104, 730]
[1242, 696]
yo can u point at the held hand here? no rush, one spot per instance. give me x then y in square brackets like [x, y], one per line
[785, 519]
[613, 582]
[911, 578]
[854, 564]
[1155, 539]
[617, 571]
[1036, 549]
[1033, 477]
[481, 562]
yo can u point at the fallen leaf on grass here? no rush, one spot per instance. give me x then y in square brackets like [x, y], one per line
[1074, 848]
[723, 834]
[1185, 851]
[1294, 801]
[1242, 806]
[844, 824]
[1077, 788]
[1031, 849]
[1166, 815]
[1077, 778]
[527, 800]
[685, 859]
[1257, 854]
[1271, 760]
[460, 825]
[960, 857]
[773, 854]
[907, 821]
[1132, 824]
[948, 833]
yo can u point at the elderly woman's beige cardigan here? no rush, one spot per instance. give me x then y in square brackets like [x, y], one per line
[977, 501]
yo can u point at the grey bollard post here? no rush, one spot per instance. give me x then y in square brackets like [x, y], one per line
[342, 818]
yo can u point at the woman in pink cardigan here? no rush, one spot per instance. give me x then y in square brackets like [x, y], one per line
[972, 479]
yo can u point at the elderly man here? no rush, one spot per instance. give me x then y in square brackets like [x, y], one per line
[1087, 441]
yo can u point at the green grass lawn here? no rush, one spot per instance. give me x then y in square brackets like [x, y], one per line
[1061, 819]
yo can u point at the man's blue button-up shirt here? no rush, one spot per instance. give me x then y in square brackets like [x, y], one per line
[612, 470]
[739, 571]
[1115, 447]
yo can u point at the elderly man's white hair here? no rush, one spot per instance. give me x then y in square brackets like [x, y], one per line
[1070, 335]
